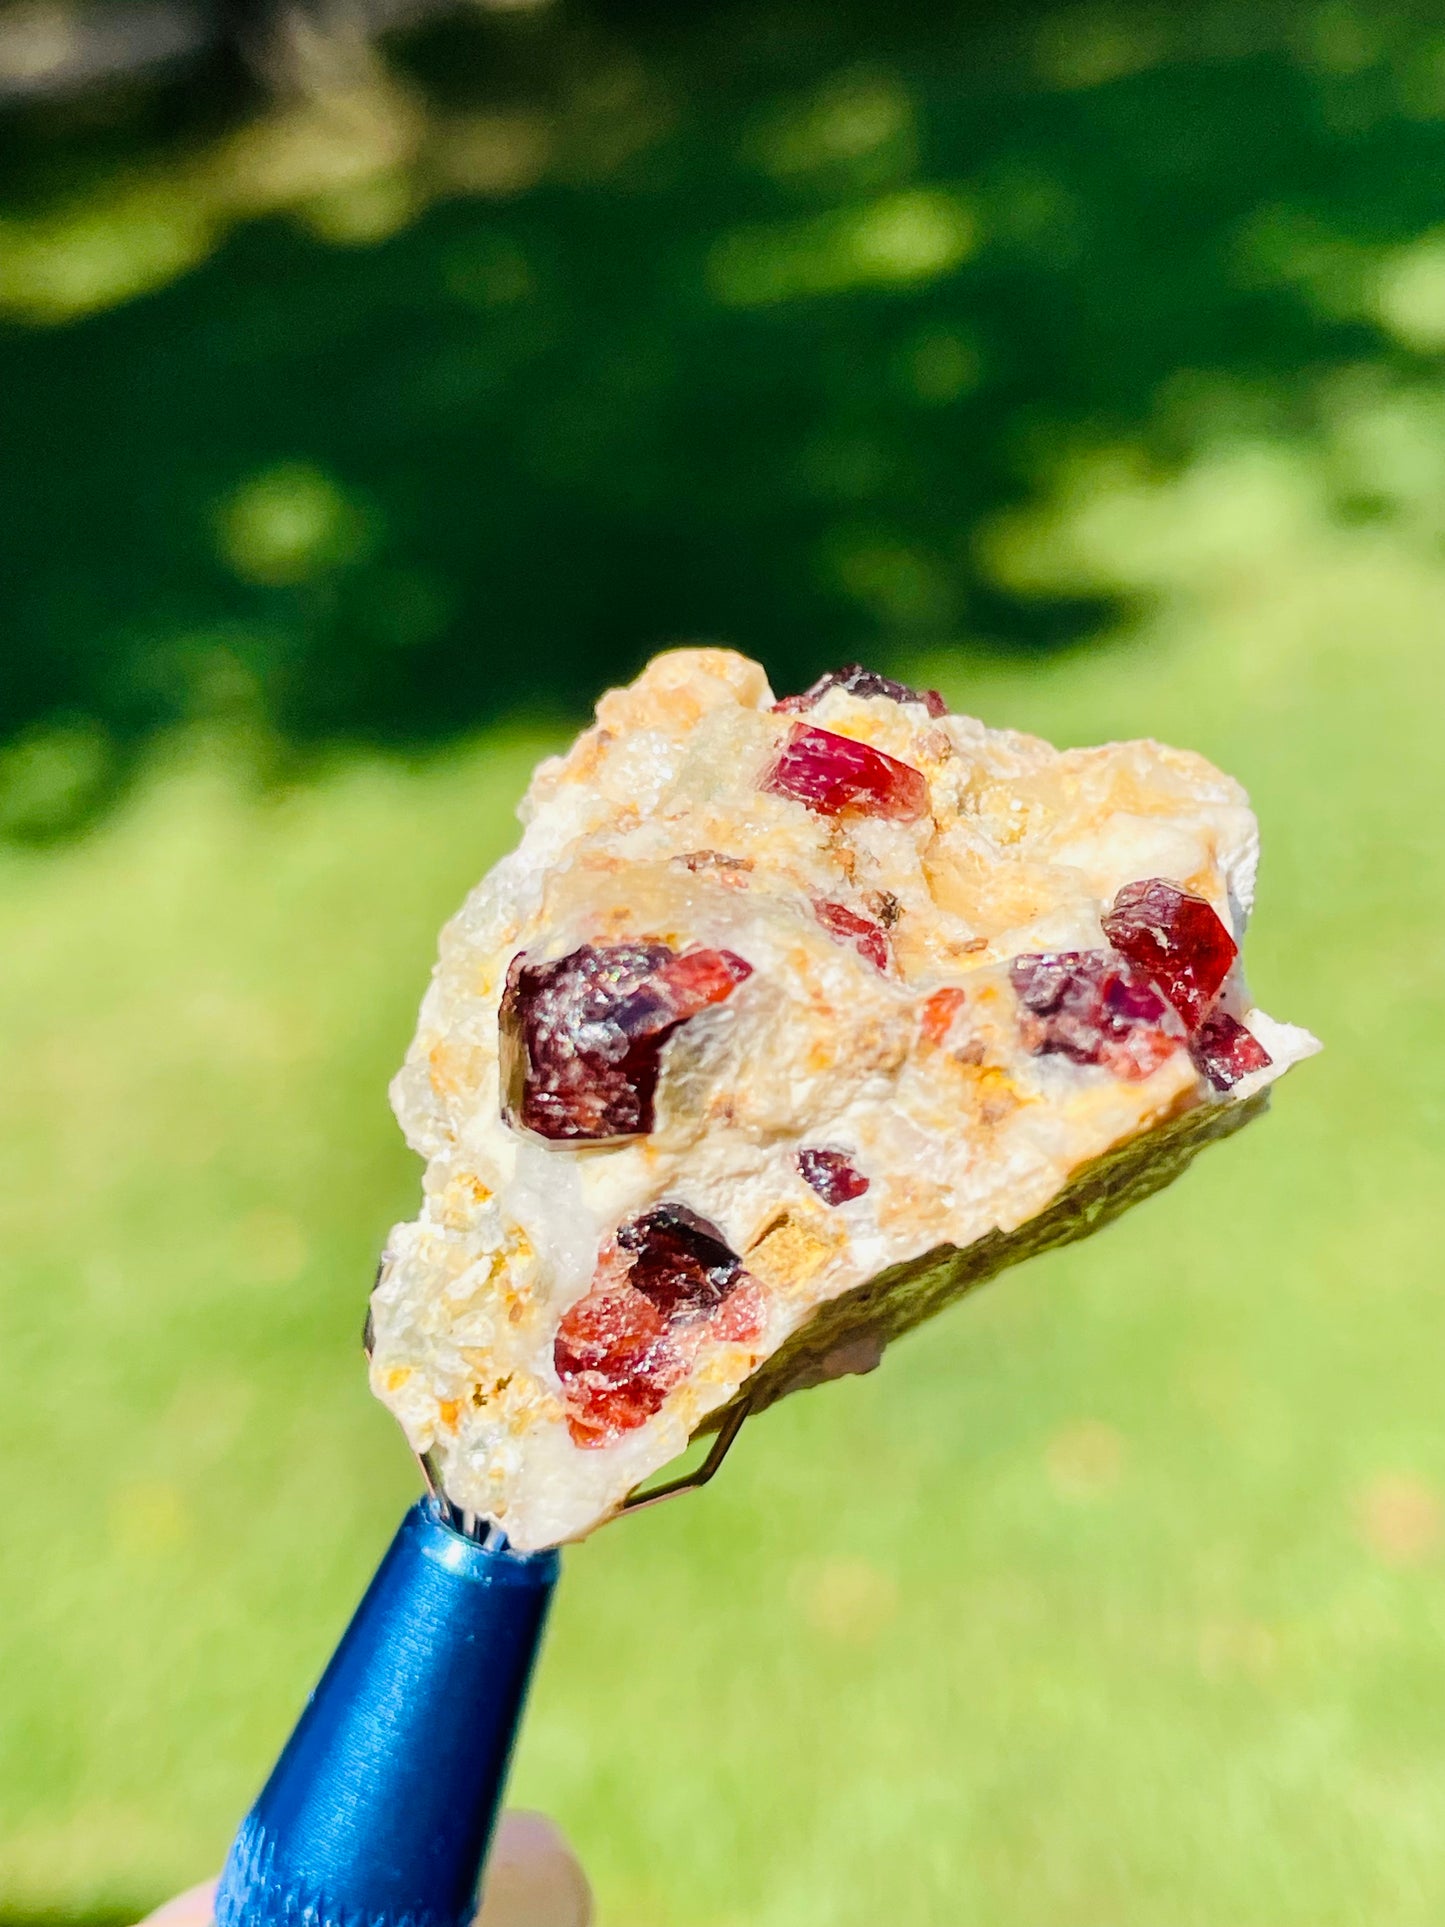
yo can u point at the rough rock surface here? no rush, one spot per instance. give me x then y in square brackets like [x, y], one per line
[927, 995]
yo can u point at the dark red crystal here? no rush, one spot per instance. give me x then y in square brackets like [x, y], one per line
[1225, 1051]
[859, 681]
[679, 1261]
[582, 1038]
[833, 774]
[668, 1282]
[832, 1175]
[865, 936]
[1094, 1008]
[1176, 939]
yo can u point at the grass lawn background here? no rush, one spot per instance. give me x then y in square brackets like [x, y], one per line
[1116, 1595]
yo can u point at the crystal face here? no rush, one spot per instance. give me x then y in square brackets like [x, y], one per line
[616, 1364]
[1094, 1008]
[859, 681]
[833, 774]
[582, 1038]
[831, 1175]
[667, 1283]
[866, 937]
[1225, 1051]
[1176, 939]
[679, 1261]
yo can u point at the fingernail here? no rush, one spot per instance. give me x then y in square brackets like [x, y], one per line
[533, 1877]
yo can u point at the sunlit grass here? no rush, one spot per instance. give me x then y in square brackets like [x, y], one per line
[1117, 1596]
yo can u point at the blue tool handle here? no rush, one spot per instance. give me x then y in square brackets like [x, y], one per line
[380, 1810]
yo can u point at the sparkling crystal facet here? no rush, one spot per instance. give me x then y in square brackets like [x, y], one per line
[582, 1037]
[833, 774]
[1176, 939]
[667, 1283]
[865, 936]
[616, 1363]
[1225, 1051]
[859, 681]
[679, 1261]
[832, 1175]
[1095, 1008]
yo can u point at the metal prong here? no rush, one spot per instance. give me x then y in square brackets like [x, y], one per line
[471, 1525]
[690, 1481]
[433, 1480]
[368, 1330]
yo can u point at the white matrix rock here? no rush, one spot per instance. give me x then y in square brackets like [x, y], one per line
[865, 1007]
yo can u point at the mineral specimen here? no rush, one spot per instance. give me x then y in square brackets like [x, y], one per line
[776, 1034]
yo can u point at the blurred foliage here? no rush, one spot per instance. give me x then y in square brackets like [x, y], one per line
[463, 374]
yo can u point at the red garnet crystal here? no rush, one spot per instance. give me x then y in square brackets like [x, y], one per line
[1225, 1051]
[859, 681]
[679, 1261]
[1176, 939]
[582, 1038]
[1093, 1007]
[866, 937]
[831, 1175]
[832, 774]
[668, 1283]
[616, 1363]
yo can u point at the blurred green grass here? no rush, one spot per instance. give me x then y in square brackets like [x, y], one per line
[1117, 1595]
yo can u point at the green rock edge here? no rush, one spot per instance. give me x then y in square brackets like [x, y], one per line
[905, 1296]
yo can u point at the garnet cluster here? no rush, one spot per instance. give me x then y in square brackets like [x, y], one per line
[582, 1038]
[1094, 1008]
[665, 1284]
[1156, 987]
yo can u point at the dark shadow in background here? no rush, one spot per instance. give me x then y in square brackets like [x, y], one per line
[534, 434]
